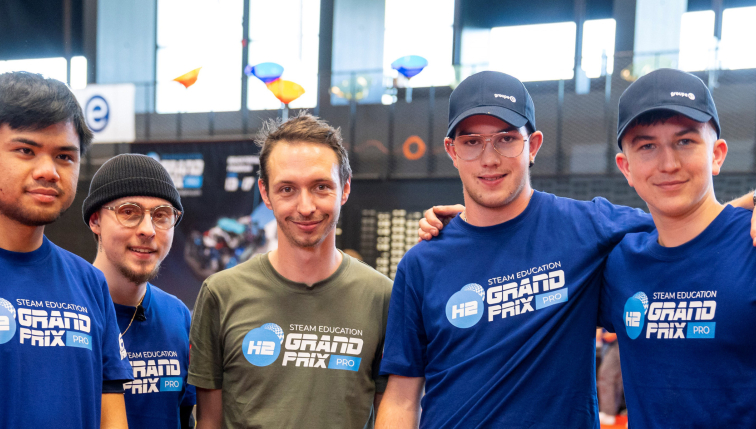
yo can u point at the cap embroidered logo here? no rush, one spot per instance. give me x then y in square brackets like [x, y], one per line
[506, 97]
[683, 94]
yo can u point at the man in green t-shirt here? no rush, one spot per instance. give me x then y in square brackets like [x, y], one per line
[294, 337]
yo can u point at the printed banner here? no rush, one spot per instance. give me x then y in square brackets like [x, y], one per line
[109, 111]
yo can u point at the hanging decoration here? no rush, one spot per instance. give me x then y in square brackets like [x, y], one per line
[409, 66]
[188, 79]
[286, 90]
[266, 72]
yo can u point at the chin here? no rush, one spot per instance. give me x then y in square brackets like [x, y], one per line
[672, 209]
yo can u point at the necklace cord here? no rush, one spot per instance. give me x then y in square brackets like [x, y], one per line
[132, 317]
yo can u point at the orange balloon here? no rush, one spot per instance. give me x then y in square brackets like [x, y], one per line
[188, 79]
[285, 90]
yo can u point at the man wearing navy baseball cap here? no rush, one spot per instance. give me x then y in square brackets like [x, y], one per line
[681, 297]
[496, 317]
[505, 301]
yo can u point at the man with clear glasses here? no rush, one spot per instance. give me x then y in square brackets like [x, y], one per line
[496, 317]
[132, 209]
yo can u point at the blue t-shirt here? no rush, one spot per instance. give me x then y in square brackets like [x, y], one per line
[501, 320]
[158, 349]
[684, 318]
[58, 340]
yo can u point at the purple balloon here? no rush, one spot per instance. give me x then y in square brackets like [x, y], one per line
[410, 65]
[266, 72]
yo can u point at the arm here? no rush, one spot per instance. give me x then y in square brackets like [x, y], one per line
[113, 414]
[400, 407]
[209, 408]
[747, 202]
[436, 218]
[377, 401]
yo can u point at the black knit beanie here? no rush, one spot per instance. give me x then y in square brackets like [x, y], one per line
[130, 175]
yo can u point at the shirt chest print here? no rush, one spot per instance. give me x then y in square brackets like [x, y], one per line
[508, 296]
[41, 323]
[671, 315]
[262, 347]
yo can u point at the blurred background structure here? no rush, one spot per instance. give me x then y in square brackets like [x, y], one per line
[196, 100]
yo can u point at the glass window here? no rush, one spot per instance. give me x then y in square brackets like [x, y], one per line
[697, 41]
[285, 32]
[49, 67]
[78, 72]
[534, 52]
[598, 47]
[736, 49]
[424, 28]
[199, 33]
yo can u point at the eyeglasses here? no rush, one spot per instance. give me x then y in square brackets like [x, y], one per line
[130, 215]
[469, 147]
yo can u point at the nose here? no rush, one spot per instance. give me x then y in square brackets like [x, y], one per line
[668, 160]
[306, 205]
[489, 157]
[145, 227]
[46, 170]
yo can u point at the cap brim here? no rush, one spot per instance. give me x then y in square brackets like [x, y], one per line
[509, 116]
[691, 113]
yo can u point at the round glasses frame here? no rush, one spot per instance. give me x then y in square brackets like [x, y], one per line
[176, 215]
[486, 139]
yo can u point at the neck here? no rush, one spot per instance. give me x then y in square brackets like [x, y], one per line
[122, 291]
[17, 237]
[679, 229]
[478, 215]
[307, 265]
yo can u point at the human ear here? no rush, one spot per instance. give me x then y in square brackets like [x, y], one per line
[720, 153]
[624, 165]
[264, 193]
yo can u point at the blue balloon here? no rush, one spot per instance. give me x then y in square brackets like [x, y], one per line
[410, 65]
[266, 72]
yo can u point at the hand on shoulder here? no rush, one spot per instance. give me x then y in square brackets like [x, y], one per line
[436, 218]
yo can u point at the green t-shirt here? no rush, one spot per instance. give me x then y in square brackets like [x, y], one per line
[287, 355]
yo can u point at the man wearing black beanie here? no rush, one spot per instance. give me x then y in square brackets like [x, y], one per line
[132, 208]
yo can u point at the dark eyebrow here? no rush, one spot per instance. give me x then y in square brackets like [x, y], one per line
[293, 183]
[35, 144]
[686, 131]
[507, 129]
[641, 137]
[26, 141]
[680, 133]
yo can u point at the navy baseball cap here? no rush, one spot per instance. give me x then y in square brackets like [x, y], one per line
[491, 93]
[666, 89]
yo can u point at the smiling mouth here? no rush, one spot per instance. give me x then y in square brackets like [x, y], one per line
[671, 183]
[491, 178]
[143, 251]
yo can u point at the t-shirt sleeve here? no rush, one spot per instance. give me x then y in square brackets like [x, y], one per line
[613, 222]
[405, 350]
[205, 350]
[381, 380]
[115, 365]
